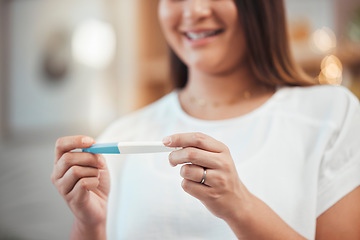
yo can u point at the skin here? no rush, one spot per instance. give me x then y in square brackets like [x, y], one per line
[82, 179]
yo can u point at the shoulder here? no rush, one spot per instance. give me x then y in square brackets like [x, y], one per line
[332, 104]
[127, 127]
[322, 93]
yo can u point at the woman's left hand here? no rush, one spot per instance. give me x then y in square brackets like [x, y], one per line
[221, 192]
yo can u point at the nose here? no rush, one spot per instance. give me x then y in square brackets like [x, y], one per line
[197, 9]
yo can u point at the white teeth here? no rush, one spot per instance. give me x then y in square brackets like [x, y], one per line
[200, 35]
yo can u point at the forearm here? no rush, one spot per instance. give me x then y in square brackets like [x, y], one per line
[79, 232]
[256, 220]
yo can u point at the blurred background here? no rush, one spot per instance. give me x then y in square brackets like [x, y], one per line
[71, 67]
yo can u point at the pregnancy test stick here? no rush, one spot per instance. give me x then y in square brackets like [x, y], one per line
[127, 148]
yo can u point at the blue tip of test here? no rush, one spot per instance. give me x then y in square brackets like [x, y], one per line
[103, 148]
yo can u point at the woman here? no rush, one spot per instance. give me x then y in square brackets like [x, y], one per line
[268, 154]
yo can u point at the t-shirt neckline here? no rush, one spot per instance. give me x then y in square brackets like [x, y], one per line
[248, 116]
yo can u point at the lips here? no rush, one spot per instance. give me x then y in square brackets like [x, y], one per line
[196, 35]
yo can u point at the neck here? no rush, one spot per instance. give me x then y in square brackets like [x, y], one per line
[220, 87]
[215, 97]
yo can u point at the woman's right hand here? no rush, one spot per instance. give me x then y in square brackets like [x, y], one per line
[83, 180]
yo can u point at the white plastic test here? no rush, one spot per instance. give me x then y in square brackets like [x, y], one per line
[127, 148]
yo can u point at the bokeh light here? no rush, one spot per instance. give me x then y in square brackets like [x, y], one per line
[323, 40]
[94, 44]
[331, 70]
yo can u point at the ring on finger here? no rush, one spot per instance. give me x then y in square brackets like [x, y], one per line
[203, 178]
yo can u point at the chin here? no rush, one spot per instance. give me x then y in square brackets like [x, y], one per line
[207, 60]
[207, 66]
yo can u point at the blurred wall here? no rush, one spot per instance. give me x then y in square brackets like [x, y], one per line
[345, 10]
[43, 107]
[2, 69]
[319, 32]
[319, 13]
[37, 101]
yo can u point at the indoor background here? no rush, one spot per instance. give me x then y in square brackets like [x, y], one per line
[70, 67]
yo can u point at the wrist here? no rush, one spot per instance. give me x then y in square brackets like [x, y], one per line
[241, 217]
[89, 232]
[256, 220]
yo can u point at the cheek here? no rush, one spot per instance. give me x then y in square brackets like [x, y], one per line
[168, 17]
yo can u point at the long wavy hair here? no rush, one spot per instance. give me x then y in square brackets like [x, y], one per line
[267, 42]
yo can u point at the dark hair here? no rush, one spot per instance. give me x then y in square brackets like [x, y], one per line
[267, 42]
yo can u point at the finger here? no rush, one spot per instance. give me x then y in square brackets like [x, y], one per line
[79, 194]
[69, 159]
[198, 140]
[103, 186]
[73, 175]
[90, 183]
[196, 174]
[195, 189]
[195, 156]
[192, 172]
[66, 144]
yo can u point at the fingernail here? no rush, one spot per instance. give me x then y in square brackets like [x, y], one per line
[87, 140]
[167, 140]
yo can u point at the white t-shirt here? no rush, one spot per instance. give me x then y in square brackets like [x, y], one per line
[299, 153]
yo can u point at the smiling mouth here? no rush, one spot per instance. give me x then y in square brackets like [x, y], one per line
[202, 35]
